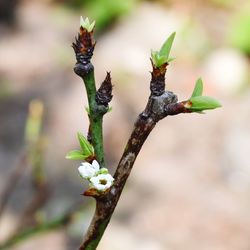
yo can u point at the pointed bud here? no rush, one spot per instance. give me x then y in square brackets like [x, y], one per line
[104, 93]
[84, 46]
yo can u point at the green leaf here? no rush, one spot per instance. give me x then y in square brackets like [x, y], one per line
[75, 155]
[198, 89]
[91, 26]
[154, 56]
[160, 60]
[200, 103]
[87, 148]
[86, 24]
[166, 47]
[170, 59]
[162, 56]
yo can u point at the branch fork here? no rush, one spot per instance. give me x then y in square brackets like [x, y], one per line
[161, 103]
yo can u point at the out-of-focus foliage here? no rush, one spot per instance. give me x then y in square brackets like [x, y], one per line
[104, 12]
[222, 3]
[5, 91]
[194, 48]
[239, 31]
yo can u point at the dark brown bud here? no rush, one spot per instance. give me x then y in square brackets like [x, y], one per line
[157, 83]
[84, 46]
[104, 93]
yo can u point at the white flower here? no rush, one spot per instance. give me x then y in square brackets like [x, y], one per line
[101, 182]
[88, 170]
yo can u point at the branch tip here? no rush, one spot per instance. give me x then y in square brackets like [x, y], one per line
[83, 47]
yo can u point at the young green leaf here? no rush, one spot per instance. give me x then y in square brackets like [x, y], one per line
[166, 47]
[162, 56]
[160, 60]
[86, 24]
[87, 148]
[75, 155]
[198, 89]
[170, 59]
[200, 103]
[154, 56]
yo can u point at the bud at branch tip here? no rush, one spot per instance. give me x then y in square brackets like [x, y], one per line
[85, 24]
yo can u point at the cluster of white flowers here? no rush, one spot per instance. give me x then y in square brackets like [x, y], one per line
[99, 178]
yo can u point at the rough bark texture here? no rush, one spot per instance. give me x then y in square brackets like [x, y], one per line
[160, 104]
[158, 107]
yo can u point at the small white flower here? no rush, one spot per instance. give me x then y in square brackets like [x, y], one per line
[101, 182]
[88, 170]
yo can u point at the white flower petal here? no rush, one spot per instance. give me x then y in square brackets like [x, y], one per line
[86, 164]
[87, 170]
[95, 165]
[102, 182]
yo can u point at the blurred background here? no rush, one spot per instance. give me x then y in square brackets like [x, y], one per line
[190, 185]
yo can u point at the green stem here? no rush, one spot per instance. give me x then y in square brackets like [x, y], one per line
[95, 117]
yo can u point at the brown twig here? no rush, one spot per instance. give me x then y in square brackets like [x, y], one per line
[161, 103]
[39, 182]
[12, 181]
[28, 217]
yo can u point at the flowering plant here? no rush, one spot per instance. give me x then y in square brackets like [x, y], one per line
[106, 189]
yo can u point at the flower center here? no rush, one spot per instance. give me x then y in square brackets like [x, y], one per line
[103, 182]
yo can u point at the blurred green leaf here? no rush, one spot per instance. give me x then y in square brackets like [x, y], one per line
[106, 12]
[222, 3]
[171, 59]
[34, 120]
[239, 30]
[200, 103]
[198, 89]
[87, 148]
[75, 155]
